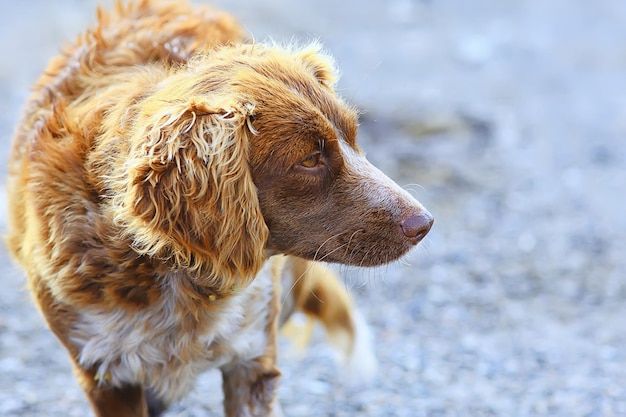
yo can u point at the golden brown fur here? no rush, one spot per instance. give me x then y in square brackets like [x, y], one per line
[162, 160]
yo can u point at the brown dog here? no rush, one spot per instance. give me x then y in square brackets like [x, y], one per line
[163, 167]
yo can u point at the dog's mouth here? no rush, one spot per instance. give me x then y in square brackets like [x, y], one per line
[369, 247]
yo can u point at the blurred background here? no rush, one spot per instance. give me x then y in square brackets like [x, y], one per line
[507, 119]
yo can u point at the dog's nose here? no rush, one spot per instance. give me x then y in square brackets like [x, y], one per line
[417, 226]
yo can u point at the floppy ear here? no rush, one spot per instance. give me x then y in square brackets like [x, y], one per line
[189, 196]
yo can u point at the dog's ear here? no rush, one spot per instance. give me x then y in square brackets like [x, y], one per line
[189, 197]
[319, 63]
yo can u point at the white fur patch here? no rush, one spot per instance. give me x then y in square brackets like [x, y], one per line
[378, 189]
[154, 349]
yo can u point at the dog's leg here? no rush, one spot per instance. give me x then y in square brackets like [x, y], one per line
[250, 389]
[250, 386]
[107, 401]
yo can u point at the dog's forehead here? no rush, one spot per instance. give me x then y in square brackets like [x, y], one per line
[283, 111]
[329, 123]
[342, 117]
[323, 117]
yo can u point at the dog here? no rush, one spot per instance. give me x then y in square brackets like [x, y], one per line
[172, 188]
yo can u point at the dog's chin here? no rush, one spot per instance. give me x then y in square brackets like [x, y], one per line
[367, 258]
[376, 254]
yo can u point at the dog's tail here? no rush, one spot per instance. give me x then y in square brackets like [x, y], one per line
[313, 289]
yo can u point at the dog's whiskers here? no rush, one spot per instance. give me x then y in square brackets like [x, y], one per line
[293, 285]
[350, 240]
[303, 274]
[325, 242]
[331, 252]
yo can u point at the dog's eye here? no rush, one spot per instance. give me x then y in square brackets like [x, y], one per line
[311, 161]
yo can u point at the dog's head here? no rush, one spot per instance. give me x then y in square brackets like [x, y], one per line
[319, 196]
[249, 150]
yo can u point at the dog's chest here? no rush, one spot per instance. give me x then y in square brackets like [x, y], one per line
[164, 349]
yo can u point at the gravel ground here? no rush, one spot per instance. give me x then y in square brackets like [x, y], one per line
[512, 118]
